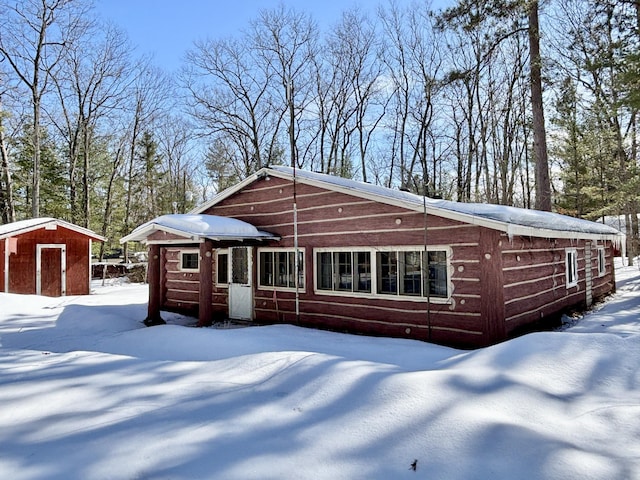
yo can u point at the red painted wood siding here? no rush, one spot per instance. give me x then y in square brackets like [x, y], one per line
[535, 278]
[329, 220]
[22, 265]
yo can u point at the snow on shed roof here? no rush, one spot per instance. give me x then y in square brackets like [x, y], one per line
[196, 227]
[512, 220]
[25, 226]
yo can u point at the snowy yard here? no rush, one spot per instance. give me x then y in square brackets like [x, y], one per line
[87, 392]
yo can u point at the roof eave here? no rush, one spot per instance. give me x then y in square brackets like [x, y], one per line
[231, 190]
[57, 223]
[143, 233]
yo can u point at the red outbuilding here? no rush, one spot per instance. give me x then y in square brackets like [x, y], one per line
[293, 246]
[46, 256]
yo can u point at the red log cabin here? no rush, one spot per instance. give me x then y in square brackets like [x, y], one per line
[298, 247]
[46, 256]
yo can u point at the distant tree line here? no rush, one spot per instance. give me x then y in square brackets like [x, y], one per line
[514, 102]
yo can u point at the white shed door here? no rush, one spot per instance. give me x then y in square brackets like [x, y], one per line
[240, 287]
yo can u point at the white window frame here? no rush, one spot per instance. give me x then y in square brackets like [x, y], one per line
[188, 251]
[571, 267]
[334, 273]
[301, 267]
[602, 261]
[374, 273]
[221, 251]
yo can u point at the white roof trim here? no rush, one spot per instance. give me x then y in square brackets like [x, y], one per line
[194, 228]
[25, 226]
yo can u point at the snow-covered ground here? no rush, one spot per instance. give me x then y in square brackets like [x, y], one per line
[87, 392]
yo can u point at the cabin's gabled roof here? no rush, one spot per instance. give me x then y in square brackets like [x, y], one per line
[512, 220]
[25, 226]
[194, 228]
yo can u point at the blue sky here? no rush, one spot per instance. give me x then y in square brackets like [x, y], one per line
[167, 28]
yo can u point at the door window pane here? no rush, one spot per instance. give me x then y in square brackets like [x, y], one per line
[239, 266]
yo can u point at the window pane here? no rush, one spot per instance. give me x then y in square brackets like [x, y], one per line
[412, 274]
[266, 269]
[572, 267]
[189, 261]
[282, 265]
[223, 268]
[437, 274]
[300, 268]
[601, 261]
[363, 272]
[387, 272]
[325, 271]
[342, 262]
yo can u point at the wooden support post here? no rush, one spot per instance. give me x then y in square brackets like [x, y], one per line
[205, 308]
[492, 308]
[153, 277]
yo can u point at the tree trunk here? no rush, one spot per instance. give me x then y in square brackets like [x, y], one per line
[543, 183]
[35, 192]
[8, 214]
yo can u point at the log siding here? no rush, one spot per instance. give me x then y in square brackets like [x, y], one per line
[497, 285]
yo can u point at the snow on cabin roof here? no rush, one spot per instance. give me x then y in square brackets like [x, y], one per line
[512, 220]
[24, 226]
[535, 222]
[195, 227]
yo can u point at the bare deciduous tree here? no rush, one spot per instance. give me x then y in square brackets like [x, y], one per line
[35, 34]
[91, 83]
[286, 41]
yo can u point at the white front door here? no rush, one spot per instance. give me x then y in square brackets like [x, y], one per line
[240, 287]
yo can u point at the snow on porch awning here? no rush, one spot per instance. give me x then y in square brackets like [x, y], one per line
[196, 228]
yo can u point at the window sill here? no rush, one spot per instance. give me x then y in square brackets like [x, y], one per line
[373, 296]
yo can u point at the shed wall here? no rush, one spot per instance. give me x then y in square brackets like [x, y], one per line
[22, 265]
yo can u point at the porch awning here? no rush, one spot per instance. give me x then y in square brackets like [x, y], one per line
[196, 228]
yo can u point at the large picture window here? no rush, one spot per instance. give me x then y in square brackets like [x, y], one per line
[277, 268]
[344, 271]
[383, 272]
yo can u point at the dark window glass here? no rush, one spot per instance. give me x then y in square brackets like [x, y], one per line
[362, 261]
[387, 273]
[190, 261]
[438, 281]
[223, 268]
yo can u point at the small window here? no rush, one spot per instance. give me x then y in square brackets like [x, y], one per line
[222, 267]
[189, 261]
[571, 266]
[601, 262]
